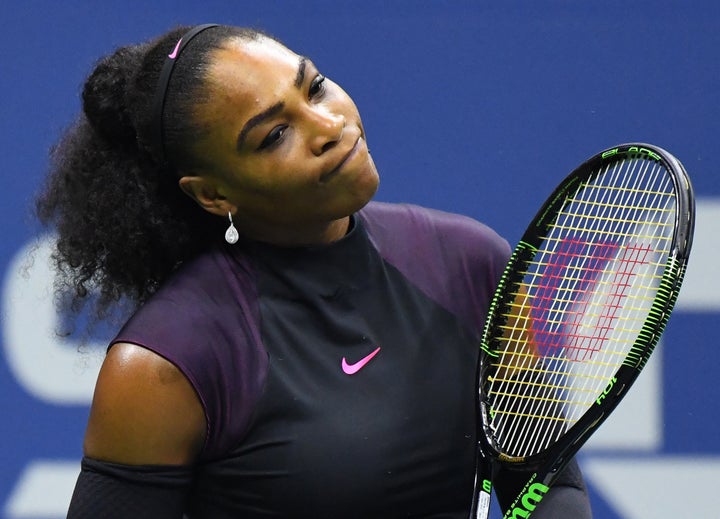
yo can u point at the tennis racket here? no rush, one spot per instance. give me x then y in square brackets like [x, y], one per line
[579, 308]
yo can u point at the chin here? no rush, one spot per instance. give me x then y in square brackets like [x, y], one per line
[358, 189]
[366, 187]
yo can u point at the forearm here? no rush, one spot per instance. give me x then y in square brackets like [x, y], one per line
[114, 491]
[563, 501]
[567, 497]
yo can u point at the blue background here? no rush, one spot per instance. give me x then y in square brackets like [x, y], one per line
[475, 107]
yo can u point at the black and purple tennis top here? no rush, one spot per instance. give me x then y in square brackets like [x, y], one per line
[337, 380]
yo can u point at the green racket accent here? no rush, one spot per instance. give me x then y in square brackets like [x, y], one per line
[659, 315]
[631, 150]
[527, 501]
[495, 303]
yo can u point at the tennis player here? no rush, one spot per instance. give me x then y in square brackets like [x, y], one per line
[294, 350]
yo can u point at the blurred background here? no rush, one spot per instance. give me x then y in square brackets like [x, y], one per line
[475, 107]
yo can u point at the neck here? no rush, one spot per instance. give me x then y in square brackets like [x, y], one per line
[288, 236]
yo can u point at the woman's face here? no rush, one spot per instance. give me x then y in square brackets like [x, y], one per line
[286, 148]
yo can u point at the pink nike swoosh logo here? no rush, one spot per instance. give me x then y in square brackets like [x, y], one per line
[173, 54]
[351, 369]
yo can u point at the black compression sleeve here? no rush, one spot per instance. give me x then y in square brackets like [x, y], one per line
[113, 491]
[567, 497]
[563, 501]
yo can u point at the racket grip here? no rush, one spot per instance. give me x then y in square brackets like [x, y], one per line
[482, 486]
[483, 505]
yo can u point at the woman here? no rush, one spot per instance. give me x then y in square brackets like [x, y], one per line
[297, 350]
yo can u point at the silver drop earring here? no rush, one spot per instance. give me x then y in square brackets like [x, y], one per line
[231, 235]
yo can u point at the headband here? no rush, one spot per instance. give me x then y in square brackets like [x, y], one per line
[157, 133]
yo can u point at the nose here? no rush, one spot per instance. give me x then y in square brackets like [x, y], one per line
[326, 129]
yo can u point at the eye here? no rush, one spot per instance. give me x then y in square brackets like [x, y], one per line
[317, 87]
[273, 138]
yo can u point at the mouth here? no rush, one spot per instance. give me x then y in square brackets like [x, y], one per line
[325, 177]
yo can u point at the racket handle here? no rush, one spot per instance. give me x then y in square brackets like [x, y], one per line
[482, 486]
[483, 503]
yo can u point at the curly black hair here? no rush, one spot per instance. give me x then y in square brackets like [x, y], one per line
[123, 224]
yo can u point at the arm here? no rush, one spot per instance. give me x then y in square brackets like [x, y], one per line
[146, 427]
[567, 497]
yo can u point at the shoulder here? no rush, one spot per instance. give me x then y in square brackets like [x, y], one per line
[205, 322]
[454, 259]
[204, 295]
[416, 224]
[438, 237]
[144, 411]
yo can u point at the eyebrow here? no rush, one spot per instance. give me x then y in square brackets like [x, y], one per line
[271, 111]
[300, 78]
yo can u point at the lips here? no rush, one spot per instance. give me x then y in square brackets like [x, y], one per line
[350, 154]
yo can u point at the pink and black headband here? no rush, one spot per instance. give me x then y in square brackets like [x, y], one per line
[157, 132]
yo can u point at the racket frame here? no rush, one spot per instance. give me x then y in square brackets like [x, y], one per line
[547, 464]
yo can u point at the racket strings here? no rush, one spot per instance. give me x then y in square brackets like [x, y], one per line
[609, 315]
[600, 326]
[581, 304]
[534, 410]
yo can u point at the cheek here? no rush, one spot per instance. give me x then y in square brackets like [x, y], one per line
[267, 178]
[337, 95]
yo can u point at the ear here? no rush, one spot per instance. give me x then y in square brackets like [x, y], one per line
[204, 191]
